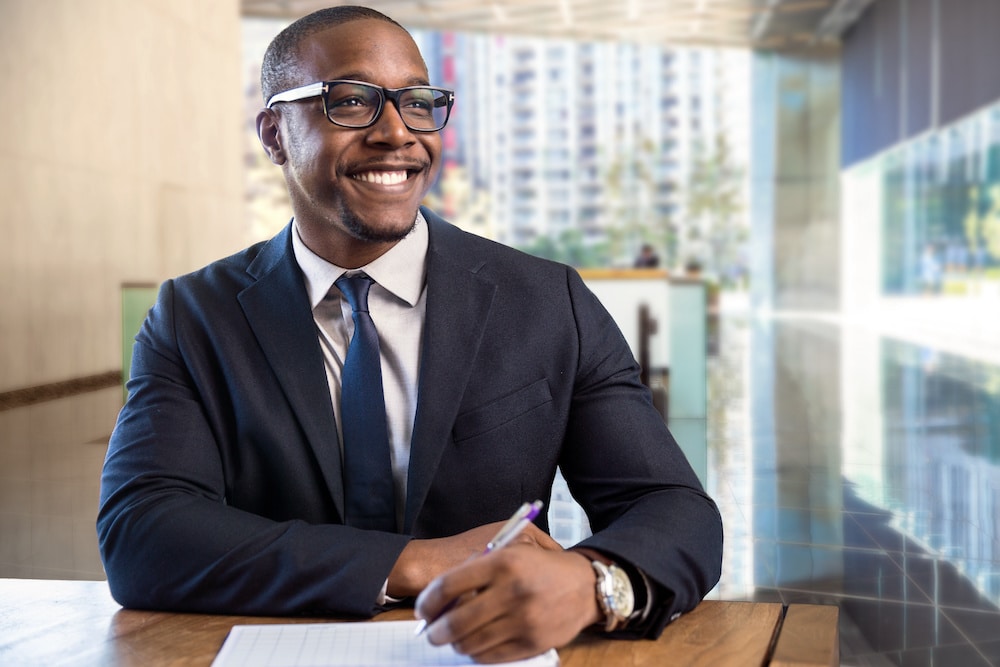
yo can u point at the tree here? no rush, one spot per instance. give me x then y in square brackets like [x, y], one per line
[569, 248]
[714, 205]
[631, 194]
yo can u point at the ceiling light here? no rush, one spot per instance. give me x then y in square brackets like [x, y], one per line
[633, 10]
[566, 12]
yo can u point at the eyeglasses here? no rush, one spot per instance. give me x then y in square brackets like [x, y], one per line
[357, 104]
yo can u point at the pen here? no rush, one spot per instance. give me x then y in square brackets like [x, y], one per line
[524, 515]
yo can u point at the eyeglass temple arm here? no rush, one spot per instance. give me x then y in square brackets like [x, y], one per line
[296, 94]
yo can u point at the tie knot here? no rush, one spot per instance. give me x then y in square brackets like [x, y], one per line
[355, 289]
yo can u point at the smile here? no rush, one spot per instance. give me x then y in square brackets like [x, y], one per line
[381, 177]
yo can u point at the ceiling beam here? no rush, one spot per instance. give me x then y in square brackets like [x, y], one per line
[730, 23]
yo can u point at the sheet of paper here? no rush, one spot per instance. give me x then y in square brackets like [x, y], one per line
[378, 644]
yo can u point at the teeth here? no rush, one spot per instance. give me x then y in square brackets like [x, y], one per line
[382, 177]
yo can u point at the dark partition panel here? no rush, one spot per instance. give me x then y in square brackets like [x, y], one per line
[914, 65]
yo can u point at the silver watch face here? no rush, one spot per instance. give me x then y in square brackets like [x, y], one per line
[622, 595]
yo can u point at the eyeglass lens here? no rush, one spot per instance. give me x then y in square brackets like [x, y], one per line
[357, 105]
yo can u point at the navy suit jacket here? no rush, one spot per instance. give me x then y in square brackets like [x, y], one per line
[222, 490]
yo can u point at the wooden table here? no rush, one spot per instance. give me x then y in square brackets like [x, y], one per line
[48, 622]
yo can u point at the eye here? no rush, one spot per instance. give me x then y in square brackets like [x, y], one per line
[420, 104]
[347, 101]
[351, 98]
[419, 101]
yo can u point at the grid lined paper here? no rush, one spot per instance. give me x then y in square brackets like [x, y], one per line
[381, 644]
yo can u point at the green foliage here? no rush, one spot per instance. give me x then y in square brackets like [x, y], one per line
[715, 199]
[570, 248]
[630, 195]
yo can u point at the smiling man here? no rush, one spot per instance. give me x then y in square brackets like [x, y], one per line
[336, 420]
[354, 191]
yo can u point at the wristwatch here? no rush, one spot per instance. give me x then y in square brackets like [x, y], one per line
[614, 594]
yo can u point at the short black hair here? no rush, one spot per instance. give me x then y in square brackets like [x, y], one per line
[278, 64]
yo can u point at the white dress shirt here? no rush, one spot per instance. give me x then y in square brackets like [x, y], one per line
[397, 304]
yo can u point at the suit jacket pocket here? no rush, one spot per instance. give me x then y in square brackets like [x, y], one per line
[499, 412]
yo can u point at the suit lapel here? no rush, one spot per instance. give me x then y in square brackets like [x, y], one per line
[458, 305]
[277, 308]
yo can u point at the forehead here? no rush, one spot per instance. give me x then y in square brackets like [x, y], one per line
[370, 50]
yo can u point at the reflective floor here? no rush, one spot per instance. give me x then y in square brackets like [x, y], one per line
[850, 468]
[50, 464]
[864, 472]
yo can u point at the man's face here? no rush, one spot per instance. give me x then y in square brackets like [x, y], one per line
[355, 192]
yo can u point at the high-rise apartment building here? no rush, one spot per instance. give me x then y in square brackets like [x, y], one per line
[599, 140]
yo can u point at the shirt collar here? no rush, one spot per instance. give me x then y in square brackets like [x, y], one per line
[401, 270]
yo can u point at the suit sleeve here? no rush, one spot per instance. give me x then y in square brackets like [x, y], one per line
[170, 536]
[646, 506]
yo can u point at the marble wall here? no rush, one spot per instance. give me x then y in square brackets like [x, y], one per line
[120, 162]
[794, 180]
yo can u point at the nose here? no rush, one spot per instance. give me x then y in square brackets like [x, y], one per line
[389, 128]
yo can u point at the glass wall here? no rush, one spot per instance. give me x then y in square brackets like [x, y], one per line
[795, 218]
[941, 442]
[937, 214]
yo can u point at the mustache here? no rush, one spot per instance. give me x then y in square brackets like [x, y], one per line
[382, 164]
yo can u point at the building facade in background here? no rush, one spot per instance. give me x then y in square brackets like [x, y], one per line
[584, 151]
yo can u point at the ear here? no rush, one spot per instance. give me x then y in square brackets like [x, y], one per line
[269, 133]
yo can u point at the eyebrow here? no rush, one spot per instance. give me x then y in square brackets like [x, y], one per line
[358, 76]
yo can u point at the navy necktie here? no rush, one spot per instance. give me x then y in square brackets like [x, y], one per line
[368, 486]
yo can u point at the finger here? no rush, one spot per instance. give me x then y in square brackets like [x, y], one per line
[509, 651]
[534, 602]
[452, 585]
[508, 636]
[504, 588]
[499, 588]
[539, 537]
[470, 622]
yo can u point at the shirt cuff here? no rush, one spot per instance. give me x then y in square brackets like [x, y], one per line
[650, 594]
[384, 599]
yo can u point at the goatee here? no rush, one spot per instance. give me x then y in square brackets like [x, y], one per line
[365, 232]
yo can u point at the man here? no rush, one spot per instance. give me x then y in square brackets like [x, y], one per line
[227, 486]
[647, 258]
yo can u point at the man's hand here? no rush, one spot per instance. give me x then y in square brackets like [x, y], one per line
[513, 603]
[423, 560]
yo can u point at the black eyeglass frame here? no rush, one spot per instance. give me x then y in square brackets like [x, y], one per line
[322, 89]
